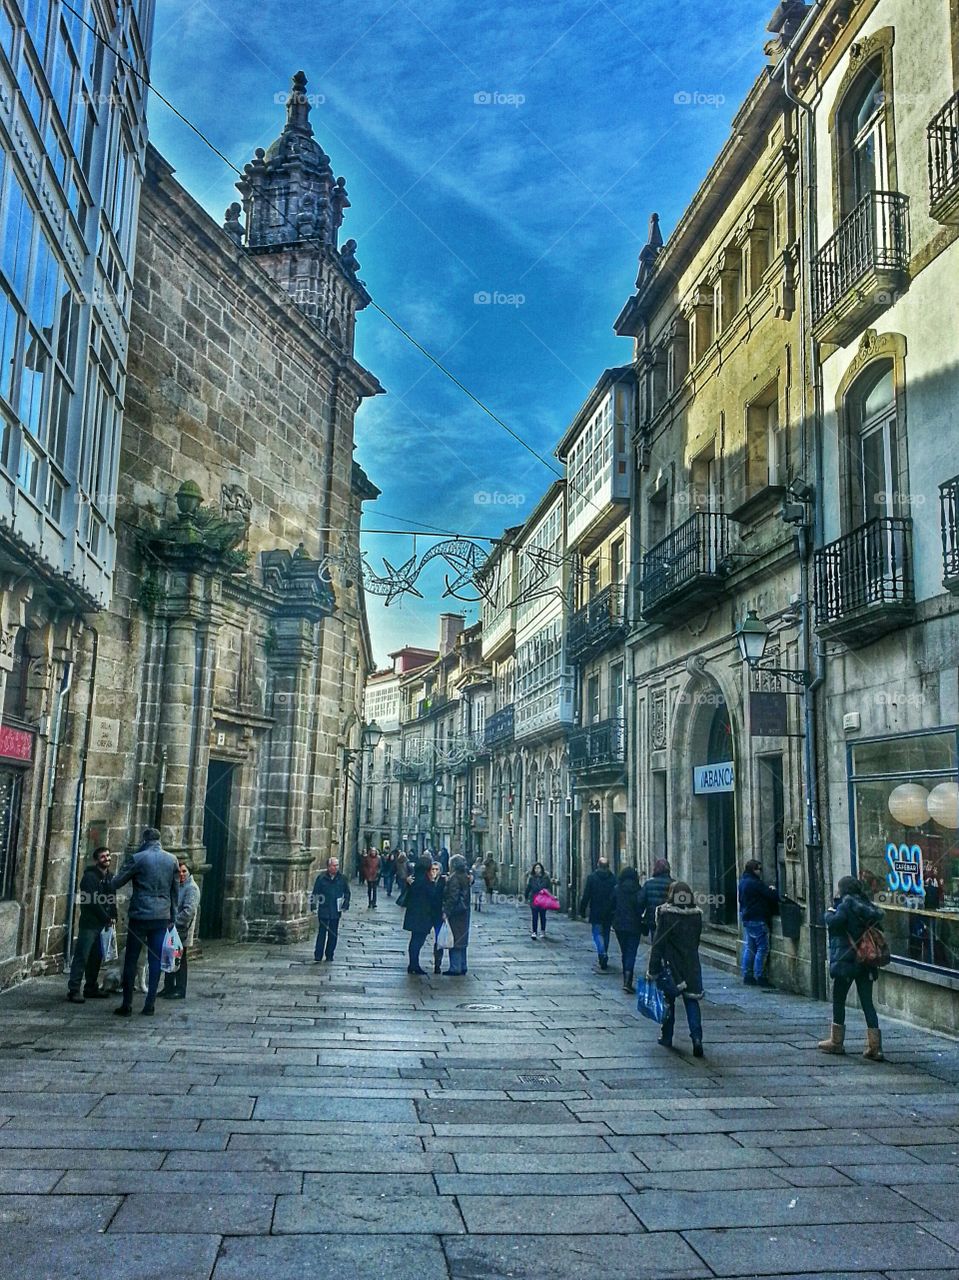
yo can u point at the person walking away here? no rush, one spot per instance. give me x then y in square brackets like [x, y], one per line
[479, 884]
[456, 909]
[758, 903]
[188, 904]
[153, 905]
[388, 865]
[371, 876]
[424, 905]
[444, 857]
[674, 962]
[98, 910]
[599, 892]
[402, 874]
[628, 922]
[489, 878]
[652, 895]
[535, 881]
[330, 898]
[847, 920]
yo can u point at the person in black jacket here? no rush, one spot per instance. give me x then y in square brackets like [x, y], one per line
[628, 922]
[850, 916]
[456, 909]
[674, 962]
[424, 906]
[98, 909]
[758, 903]
[652, 895]
[330, 898]
[536, 881]
[599, 893]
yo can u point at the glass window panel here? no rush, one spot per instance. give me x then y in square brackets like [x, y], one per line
[32, 379]
[36, 15]
[17, 235]
[32, 93]
[9, 328]
[926, 752]
[6, 32]
[67, 331]
[880, 396]
[60, 401]
[29, 469]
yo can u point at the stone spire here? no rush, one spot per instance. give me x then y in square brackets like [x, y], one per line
[649, 254]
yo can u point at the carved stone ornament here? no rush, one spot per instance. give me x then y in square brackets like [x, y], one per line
[235, 501]
[657, 721]
[200, 535]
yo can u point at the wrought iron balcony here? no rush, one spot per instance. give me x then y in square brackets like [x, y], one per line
[598, 624]
[943, 151]
[436, 702]
[500, 726]
[858, 272]
[601, 746]
[949, 518]
[410, 771]
[864, 584]
[687, 568]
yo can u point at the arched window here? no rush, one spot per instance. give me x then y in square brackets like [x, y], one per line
[864, 138]
[871, 415]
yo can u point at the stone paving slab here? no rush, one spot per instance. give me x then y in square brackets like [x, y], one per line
[566, 1215]
[795, 1206]
[294, 1257]
[298, 1215]
[541, 1257]
[90, 1213]
[195, 1213]
[852, 1248]
[46, 1255]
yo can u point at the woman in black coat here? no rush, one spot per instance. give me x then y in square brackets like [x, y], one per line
[424, 906]
[848, 919]
[674, 962]
[628, 921]
[537, 880]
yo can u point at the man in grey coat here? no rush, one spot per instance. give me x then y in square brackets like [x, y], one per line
[153, 908]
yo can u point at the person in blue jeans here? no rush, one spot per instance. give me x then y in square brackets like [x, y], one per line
[598, 902]
[758, 903]
[675, 965]
[456, 909]
[536, 881]
[153, 907]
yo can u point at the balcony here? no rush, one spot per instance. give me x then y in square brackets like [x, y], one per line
[859, 271]
[410, 771]
[500, 726]
[430, 705]
[600, 747]
[942, 139]
[864, 584]
[598, 624]
[949, 519]
[687, 569]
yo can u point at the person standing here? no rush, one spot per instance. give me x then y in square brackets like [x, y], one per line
[444, 857]
[758, 903]
[424, 905]
[479, 884]
[489, 878]
[628, 922]
[674, 962]
[371, 876]
[153, 906]
[847, 920]
[402, 874]
[330, 897]
[188, 904]
[438, 880]
[536, 881]
[456, 909]
[388, 868]
[599, 893]
[98, 910]
[652, 895]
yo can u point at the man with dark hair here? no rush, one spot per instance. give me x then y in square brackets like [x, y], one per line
[330, 898]
[153, 907]
[758, 903]
[599, 899]
[652, 895]
[98, 910]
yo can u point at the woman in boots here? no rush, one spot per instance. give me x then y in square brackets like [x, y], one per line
[628, 922]
[674, 962]
[850, 916]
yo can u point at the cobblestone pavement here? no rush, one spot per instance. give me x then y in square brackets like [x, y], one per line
[294, 1119]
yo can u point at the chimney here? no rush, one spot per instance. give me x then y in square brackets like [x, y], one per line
[451, 626]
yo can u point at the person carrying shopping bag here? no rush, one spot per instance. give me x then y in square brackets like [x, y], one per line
[674, 963]
[536, 882]
[857, 950]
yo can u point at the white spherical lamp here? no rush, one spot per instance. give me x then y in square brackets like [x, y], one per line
[909, 804]
[943, 805]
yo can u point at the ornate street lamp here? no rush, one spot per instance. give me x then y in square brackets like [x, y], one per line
[752, 636]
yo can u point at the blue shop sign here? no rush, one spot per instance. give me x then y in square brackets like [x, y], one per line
[709, 779]
[905, 868]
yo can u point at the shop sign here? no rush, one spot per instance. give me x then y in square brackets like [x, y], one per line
[710, 779]
[16, 744]
[767, 714]
[905, 868]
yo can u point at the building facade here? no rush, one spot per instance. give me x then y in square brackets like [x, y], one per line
[72, 146]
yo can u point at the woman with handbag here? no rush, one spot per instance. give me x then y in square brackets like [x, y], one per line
[456, 909]
[850, 922]
[675, 965]
[537, 881]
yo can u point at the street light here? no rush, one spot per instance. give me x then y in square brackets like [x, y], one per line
[752, 636]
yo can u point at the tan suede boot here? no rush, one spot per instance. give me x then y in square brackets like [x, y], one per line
[834, 1043]
[873, 1049]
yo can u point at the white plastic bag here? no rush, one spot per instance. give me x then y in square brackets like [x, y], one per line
[444, 937]
[172, 951]
[108, 944]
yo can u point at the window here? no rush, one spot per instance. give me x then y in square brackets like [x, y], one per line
[617, 561]
[16, 235]
[874, 408]
[765, 450]
[593, 712]
[616, 690]
[9, 332]
[7, 31]
[36, 15]
[865, 127]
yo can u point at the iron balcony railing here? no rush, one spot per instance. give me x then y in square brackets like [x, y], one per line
[500, 726]
[869, 567]
[874, 237]
[949, 518]
[600, 746]
[436, 702]
[598, 623]
[410, 770]
[697, 550]
[942, 138]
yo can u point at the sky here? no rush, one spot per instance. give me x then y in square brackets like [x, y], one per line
[502, 161]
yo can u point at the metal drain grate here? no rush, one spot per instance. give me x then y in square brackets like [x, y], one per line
[534, 1081]
[482, 1008]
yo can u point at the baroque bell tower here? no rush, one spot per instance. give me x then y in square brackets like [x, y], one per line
[293, 210]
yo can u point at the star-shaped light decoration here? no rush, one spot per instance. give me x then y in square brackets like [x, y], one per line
[398, 581]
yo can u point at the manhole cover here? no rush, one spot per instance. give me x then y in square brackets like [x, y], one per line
[537, 1081]
[483, 1008]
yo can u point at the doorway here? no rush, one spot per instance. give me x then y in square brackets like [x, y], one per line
[721, 825]
[595, 848]
[216, 841]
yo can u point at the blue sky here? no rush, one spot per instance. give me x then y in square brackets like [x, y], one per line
[500, 149]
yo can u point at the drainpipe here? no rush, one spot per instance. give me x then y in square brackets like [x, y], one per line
[811, 652]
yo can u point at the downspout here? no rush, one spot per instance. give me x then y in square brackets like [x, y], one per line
[811, 652]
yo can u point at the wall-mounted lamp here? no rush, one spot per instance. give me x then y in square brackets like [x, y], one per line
[752, 637]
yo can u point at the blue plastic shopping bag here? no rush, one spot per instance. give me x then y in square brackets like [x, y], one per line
[649, 999]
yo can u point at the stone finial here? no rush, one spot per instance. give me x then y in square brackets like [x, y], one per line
[348, 257]
[298, 106]
[232, 225]
[649, 254]
[189, 498]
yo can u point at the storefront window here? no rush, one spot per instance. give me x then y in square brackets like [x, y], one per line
[905, 794]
